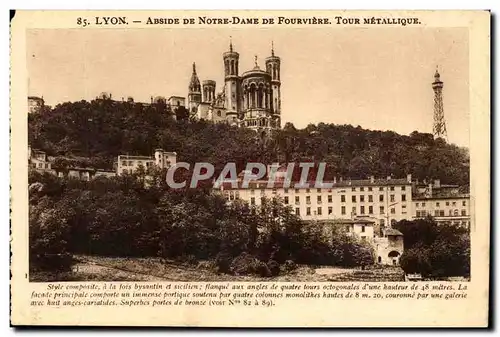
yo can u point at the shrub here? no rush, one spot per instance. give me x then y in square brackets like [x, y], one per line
[223, 262]
[262, 269]
[210, 265]
[245, 264]
[274, 267]
[288, 266]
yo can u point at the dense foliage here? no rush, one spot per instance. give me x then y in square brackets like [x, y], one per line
[103, 129]
[122, 217]
[435, 250]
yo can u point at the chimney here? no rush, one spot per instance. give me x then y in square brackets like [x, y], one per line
[408, 178]
[437, 183]
[372, 179]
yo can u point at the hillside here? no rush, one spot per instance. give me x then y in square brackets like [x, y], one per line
[103, 129]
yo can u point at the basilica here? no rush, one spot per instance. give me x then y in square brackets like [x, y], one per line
[252, 99]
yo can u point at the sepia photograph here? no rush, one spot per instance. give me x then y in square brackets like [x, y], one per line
[207, 168]
[384, 130]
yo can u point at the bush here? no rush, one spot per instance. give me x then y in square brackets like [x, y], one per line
[51, 262]
[188, 260]
[210, 265]
[244, 264]
[223, 262]
[288, 266]
[262, 269]
[274, 267]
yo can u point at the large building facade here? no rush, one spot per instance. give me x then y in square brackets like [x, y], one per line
[251, 99]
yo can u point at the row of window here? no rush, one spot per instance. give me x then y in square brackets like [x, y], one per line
[447, 203]
[41, 165]
[319, 190]
[343, 211]
[440, 212]
[131, 163]
[354, 198]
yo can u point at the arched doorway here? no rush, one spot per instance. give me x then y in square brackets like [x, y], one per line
[394, 257]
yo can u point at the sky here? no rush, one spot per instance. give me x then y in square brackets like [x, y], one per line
[378, 78]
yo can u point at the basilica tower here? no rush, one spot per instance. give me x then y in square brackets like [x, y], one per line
[194, 93]
[273, 64]
[231, 79]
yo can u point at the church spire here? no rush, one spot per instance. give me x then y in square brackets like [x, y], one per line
[231, 44]
[194, 68]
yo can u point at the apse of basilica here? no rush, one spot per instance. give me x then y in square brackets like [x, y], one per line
[252, 99]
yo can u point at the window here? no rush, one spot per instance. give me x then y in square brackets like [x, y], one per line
[361, 198]
[370, 198]
[286, 200]
[319, 211]
[319, 190]
[308, 211]
[447, 203]
[353, 210]
[348, 228]
[393, 198]
[423, 204]
[451, 212]
[296, 190]
[262, 201]
[262, 192]
[308, 199]
[308, 190]
[342, 210]
[252, 201]
[46, 165]
[382, 210]
[274, 191]
[380, 188]
[330, 210]
[342, 198]
[330, 198]
[455, 212]
[362, 210]
[354, 189]
[381, 198]
[454, 203]
[353, 198]
[252, 191]
[237, 195]
[297, 211]
[441, 212]
[393, 210]
[436, 212]
[370, 189]
[319, 199]
[40, 165]
[362, 189]
[286, 190]
[124, 163]
[417, 214]
[297, 201]
[464, 203]
[403, 188]
[403, 197]
[363, 228]
[130, 163]
[382, 222]
[437, 204]
[392, 188]
[464, 212]
[370, 209]
[423, 213]
[416, 204]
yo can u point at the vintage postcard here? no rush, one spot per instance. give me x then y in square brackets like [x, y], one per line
[250, 168]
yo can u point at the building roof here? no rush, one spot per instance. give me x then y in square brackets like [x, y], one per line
[126, 156]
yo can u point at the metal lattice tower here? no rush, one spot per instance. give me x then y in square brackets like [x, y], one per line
[439, 127]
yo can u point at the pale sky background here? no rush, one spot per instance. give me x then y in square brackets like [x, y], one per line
[378, 78]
